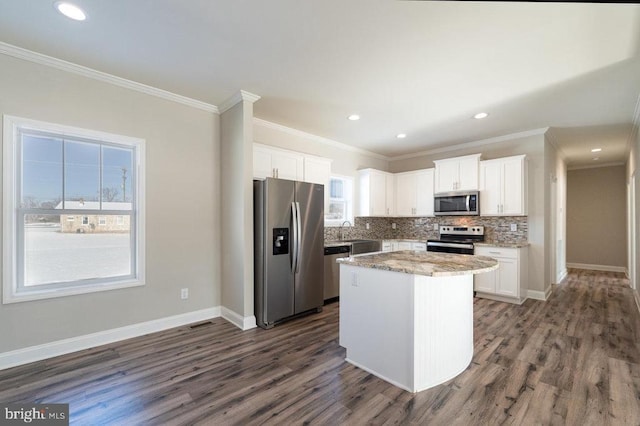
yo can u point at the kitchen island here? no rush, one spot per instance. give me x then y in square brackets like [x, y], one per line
[407, 316]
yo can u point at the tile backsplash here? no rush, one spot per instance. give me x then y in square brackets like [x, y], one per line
[497, 229]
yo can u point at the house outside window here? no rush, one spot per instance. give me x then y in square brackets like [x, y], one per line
[340, 201]
[64, 181]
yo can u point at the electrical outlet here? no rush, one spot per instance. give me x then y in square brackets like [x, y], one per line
[435, 227]
[393, 225]
[367, 226]
[354, 279]
[184, 293]
[514, 227]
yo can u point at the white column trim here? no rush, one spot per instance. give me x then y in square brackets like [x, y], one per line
[240, 96]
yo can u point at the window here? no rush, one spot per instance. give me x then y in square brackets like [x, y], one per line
[340, 201]
[56, 172]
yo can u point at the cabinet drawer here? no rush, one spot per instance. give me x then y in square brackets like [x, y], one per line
[504, 252]
[419, 246]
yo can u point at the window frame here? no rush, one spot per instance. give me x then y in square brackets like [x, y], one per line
[347, 198]
[13, 290]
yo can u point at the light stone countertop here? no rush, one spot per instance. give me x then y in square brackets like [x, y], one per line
[420, 262]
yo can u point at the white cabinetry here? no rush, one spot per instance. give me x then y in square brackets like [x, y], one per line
[457, 174]
[414, 193]
[376, 193]
[503, 186]
[318, 170]
[388, 245]
[277, 163]
[509, 282]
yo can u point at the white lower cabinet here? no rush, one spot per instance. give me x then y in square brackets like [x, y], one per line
[509, 282]
[388, 245]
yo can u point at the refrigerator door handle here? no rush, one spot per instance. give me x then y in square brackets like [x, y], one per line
[294, 229]
[299, 236]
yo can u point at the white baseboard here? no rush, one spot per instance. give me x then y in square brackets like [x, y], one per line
[243, 323]
[605, 268]
[74, 344]
[562, 276]
[540, 295]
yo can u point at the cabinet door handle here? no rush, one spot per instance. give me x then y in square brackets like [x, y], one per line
[495, 252]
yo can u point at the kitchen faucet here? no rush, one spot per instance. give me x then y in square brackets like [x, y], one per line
[341, 229]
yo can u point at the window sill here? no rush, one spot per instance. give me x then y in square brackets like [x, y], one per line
[12, 296]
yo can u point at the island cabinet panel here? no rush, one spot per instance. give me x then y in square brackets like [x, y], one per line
[399, 326]
[509, 282]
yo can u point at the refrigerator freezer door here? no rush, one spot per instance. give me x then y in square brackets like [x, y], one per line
[276, 287]
[309, 277]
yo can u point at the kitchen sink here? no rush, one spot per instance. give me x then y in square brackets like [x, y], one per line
[364, 246]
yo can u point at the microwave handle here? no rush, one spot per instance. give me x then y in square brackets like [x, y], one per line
[468, 200]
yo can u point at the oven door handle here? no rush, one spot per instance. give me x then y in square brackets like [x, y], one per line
[452, 245]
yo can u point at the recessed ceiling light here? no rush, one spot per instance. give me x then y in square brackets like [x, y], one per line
[596, 150]
[70, 10]
[401, 135]
[480, 115]
[354, 117]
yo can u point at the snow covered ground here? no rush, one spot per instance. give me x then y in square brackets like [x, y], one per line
[52, 256]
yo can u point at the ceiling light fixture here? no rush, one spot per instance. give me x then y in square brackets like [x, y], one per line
[401, 135]
[596, 150]
[354, 117]
[70, 10]
[480, 115]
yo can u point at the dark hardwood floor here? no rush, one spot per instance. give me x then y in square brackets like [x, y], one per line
[573, 360]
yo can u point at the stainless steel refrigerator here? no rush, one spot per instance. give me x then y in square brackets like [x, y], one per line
[289, 249]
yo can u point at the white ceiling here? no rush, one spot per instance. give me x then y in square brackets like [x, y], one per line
[416, 67]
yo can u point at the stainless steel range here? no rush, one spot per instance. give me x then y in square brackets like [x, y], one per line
[456, 239]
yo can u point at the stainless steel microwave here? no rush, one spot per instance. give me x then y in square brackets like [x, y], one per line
[458, 203]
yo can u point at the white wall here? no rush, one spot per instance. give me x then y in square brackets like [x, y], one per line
[182, 198]
[533, 145]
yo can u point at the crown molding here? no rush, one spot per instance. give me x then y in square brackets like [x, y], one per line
[551, 138]
[597, 166]
[240, 96]
[39, 58]
[473, 144]
[315, 138]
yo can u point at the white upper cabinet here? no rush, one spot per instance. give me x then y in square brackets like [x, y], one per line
[277, 163]
[457, 174]
[414, 193]
[503, 186]
[317, 170]
[376, 193]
